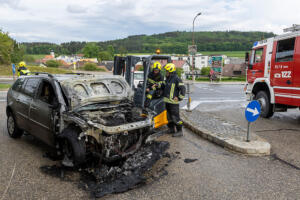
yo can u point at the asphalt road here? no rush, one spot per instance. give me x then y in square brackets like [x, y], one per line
[217, 174]
[228, 102]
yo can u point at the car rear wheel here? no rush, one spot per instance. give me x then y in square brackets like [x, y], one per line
[12, 128]
[266, 106]
[73, 149]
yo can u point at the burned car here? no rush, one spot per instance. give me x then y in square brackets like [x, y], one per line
[81, 116]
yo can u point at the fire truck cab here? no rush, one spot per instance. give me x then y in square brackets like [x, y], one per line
[273, 72]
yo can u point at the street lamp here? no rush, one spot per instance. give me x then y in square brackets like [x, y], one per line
[193, 61]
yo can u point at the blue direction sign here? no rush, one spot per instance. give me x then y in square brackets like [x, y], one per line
[252, 111]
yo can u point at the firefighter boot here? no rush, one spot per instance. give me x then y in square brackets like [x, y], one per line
[179, 132]
[171, 128]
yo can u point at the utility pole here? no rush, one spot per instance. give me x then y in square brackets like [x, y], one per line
[193, 55]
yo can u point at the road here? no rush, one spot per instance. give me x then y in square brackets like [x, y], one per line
[228, 102]
[217, 174]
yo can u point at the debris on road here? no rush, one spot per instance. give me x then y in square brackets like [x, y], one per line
[146, 165]
[189, 160]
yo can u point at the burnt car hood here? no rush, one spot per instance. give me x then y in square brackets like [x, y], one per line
[85, 90]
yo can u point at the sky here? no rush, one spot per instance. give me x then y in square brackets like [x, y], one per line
[100, 20]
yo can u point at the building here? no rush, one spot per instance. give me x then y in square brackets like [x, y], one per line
[200, 61]
[235, 67]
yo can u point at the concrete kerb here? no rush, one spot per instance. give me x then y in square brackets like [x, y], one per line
[257, 147]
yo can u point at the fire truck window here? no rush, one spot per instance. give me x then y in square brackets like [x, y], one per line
[258, 55]
[285, 50]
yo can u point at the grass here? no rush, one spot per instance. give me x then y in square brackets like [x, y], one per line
[239, 54]
[51, 70]
[37, 56]
[4, 86]
[224, 79]
[6, 70]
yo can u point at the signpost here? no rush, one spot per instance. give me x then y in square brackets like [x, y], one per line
[216, 64]
[192, 49]
[252, 113]
[13, 70]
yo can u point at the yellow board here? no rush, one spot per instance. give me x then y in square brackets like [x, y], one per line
[161, 119]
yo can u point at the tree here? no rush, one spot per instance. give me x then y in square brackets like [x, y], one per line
[111, 50]
[205, 71]
[123, 51]
[91, 50]
[18, 52]
[6, 48]
[104, 55]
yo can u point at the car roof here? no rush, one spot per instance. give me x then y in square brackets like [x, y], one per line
[63, 77]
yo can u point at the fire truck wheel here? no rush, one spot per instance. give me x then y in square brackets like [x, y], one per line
[266, 106]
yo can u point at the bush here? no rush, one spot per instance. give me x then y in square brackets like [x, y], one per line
[52, 63]
[91, 67]
[179, 71]
[29, 58]
[205, 71]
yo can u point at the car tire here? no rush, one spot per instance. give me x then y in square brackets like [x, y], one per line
[73, 149]
[266, 106]
[12, 127]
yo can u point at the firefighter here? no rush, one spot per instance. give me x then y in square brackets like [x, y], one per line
[174, 92]
[154, 82]
[22, 70]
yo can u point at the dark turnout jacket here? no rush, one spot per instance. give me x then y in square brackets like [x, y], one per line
[154, 79]
[173, 87]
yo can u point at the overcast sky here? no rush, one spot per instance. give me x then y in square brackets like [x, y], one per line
[99, 20]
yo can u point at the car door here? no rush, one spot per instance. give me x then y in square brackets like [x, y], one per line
[41, 112]
[13, 100]
[24, 100]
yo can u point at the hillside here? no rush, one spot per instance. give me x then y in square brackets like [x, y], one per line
[171, 42]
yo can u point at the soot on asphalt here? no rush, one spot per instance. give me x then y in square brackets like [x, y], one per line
[135, 171]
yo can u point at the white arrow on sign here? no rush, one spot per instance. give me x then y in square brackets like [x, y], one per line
[253, 111]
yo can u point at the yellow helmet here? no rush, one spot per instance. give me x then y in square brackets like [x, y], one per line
[22, 64]
[170, 67]
[156, 65]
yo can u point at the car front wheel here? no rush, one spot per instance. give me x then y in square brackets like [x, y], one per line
[73, 149]
[12, 128]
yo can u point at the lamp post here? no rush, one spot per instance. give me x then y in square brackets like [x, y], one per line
[193, 60]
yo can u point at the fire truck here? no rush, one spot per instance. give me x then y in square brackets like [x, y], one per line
[273, 72]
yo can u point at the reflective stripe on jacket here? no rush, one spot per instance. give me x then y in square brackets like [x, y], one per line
[154, 79]
[173, 87]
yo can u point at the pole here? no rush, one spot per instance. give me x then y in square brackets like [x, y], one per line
[248, 132]
[189, 98]
[193, 40]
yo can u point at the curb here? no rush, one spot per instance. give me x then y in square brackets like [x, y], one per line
[258, 147]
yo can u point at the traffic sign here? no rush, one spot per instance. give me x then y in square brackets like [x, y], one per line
[252, 111]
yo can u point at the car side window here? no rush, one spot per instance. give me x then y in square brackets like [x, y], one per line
[46, 93]
[31, 86]
[18, 84]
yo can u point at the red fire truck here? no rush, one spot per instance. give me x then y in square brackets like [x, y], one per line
[273, 72]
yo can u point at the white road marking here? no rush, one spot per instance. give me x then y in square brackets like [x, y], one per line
[194, 104]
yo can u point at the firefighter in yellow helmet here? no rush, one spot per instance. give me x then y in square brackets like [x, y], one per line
[174, 92]
[154, 82]
[22, 70]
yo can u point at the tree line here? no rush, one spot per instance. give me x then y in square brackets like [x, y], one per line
[10, 50]
[170, 42]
